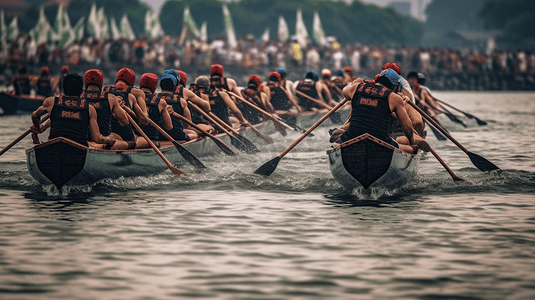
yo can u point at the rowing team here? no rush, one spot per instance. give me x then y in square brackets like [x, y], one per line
[115, 117]
[381, 107]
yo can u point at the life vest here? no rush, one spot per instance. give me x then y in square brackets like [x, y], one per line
[22, 85]
[249, 113]
[44, 88]
[152, 101]
[177, 132]
[307, 87]
[279, 100]
[70, 119]
[219, 107]
[99, 100]
[125, 132]
[220, 82]
[370, 112]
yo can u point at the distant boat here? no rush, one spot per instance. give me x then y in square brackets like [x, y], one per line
[11, 104]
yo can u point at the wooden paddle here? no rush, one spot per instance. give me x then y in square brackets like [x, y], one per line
[188, 156]
[165, 160]
[278, 123]
[336, 119]
[235, 141]
[451, 116]
[424, 145]
[23, 135]
[250, 146]
[480, 162]
[218, 142]
[479, 122]
[268, 168]
[437, 133]
[260, 134]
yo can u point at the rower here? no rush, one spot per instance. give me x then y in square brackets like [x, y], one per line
[221, 103]
[21, 82]
[157, 109]
[219, 82]
[312, 88]
[196, 116]
[422, 96]
[105, 105]
[58, 87]
[348, 74]
[253, 94]
[372, 107]
[71, 116]
[168, 84]
[416, 118]
[335, 92]
[338, 79]
[185, 93]
[326, 90]
[281, 99]
[284, 82]
[43, 86]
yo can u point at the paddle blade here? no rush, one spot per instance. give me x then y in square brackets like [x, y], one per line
[482, 163]
[280, 128]
[188, 156]
[224, 147]
[176, 171]
[437, 134]
[455, 119]
[480, 122]
[251, 148]
[268, 168]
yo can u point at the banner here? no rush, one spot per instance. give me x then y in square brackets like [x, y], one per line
[79, 29]
[301, 33]
[284, 32]
[104, 27]
[13, 29]
[190, 23]
[126, 29]
[93, 24]
[153, 27]
[204, 32]
[265, 36]
[115, 33]
[319, 35]
[231, 35]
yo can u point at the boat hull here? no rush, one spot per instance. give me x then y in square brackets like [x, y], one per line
[61, 161]
[10, 104]
[366, 161]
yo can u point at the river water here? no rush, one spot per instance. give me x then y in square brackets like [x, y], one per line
[226, 233]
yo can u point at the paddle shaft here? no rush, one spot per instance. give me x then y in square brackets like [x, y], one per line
[313, 127]
[260, 134]
[464, 113]
[166, 161]
[435, 124]
[259, 110]
[223, 123]
[317, 101]
[219, 142]
[209, 118]
[23, 135]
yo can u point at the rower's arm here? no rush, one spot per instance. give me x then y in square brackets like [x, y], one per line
[95, 131]
[186, 113]
[292, 99]
[190, 96]
[166, 118]
[118, 112]
[267, 103]
[396, 105]
[41, 110]
[319, 88]
[233, 108]
[141, 114]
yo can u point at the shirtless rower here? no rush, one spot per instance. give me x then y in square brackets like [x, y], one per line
[71, 116]
[157, 110]
[372, 107]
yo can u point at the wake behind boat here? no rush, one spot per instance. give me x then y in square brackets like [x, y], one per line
[367, 161]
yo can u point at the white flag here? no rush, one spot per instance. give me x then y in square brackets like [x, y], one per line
[115, 33]
[79, 29]
[204, 32]
[93, 24]
[13, 29]
[126, 29]
[42, 30]
[301, 33]
[265, 36]
[188, 21]
[67, 36]
[231, 35]
[153, 27]
[284, 32]
[319, 35]
[104, 27]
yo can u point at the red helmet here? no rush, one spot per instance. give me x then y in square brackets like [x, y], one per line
[393, 66]
[183, 77]
[149, 80]
[128, 75]
[216, 69]
[94, 76]
[120, 85]
[274, 75]
[45, 70]
[255, 79]
[65, 69]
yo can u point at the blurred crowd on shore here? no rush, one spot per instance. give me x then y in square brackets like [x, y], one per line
[261, 57]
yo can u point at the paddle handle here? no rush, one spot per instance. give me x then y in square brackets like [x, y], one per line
[313, 127]
[443, 163]
[166, 161]
[314, 100]
[23, 135]
[435, 124]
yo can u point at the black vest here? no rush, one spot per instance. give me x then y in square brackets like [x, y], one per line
[249, 113]
[279, 100]
[370, 112]
[125, 132]
[307, 87]
[216, 82]
[152, 101]
[43, 87]
[174, 101]
[70, 119]
[99, 100]
[219, 107]
[22, 85]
